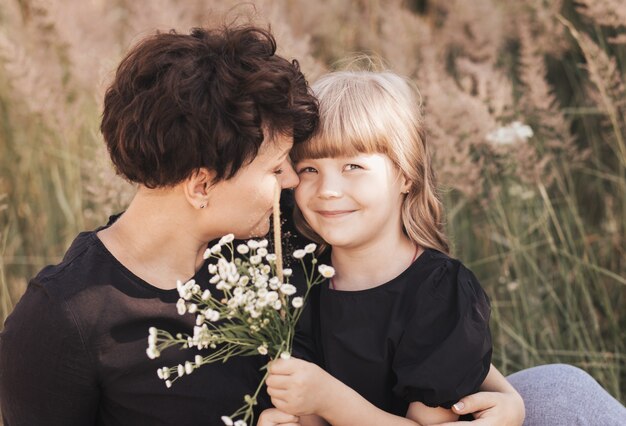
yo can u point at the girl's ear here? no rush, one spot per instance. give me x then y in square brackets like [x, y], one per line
[197, 188]
[405, 184]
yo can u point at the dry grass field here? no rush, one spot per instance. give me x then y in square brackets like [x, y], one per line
[541, 219]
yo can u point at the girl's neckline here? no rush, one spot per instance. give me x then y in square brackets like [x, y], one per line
[417, 259]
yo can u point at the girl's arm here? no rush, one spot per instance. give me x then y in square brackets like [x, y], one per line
[301, 388]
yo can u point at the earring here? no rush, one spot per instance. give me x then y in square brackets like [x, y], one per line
[202, 206]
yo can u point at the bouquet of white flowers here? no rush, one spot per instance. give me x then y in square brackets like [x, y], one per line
[253, 310]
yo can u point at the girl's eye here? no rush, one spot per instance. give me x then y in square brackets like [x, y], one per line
[353, 167]
[278, 172]
[307, 170]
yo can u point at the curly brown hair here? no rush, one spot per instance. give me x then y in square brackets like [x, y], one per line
[208, 99]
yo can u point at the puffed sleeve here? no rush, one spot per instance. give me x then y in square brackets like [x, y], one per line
[46, 376]
[444, 353]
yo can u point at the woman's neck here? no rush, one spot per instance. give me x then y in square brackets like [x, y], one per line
[155, 240]
[368, 266]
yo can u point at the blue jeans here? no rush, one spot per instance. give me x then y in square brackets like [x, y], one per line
[563, 395]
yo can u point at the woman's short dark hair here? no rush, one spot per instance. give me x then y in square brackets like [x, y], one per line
[207, 99]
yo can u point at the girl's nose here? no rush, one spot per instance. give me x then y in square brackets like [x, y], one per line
[329, 187]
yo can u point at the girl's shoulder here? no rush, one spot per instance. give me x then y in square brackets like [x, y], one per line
[439, 288]
[440, 274]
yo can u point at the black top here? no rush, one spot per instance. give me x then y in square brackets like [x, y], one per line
[423, 336]
[73, 352]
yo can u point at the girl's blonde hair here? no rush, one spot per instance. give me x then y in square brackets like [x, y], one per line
[378, 112]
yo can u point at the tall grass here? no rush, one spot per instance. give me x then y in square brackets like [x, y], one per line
[542, 222]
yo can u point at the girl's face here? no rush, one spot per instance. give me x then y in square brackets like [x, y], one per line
[246, 200]
[351, 201]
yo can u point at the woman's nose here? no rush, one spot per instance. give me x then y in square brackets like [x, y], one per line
[289, 178]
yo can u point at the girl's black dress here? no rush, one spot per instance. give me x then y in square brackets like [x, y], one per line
[423, 336]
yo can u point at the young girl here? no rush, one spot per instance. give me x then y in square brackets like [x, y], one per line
[403, 328]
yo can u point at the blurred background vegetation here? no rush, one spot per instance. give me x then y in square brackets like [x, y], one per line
[540, 219]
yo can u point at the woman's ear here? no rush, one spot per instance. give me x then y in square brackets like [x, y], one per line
[197, 188]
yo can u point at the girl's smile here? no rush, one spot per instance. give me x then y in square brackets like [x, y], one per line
[350, 201]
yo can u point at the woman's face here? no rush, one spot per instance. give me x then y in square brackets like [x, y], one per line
[350, 201]
[245, 201]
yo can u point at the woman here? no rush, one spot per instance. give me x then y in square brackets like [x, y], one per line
[203, 124]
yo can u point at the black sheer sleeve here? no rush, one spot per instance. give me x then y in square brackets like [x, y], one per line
[46, 375]
[450, 326]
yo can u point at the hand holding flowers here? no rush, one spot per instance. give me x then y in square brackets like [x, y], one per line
[252, 310]
[298, 387]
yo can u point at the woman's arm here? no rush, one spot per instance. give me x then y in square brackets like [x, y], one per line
[275, 417]
[498, 403]
[302, 388]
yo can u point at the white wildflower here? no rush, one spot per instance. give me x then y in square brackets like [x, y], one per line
[310, 248]
[222, 285]
[152, 352]
[163, 373]
[180, 370]
[168, 384]
[227, 421]
[299, 254]
[255, 260]
[287, 272]
[271, 297]
[188, 367]
[192, 308]
[198, 360]
[297, 302]
[216, 249]
[253, 244]
[277, 305]
[261, 281]
[262, 252]
[212, 269]
[214, 279]
[181, 306]
[271, 257]
[228, 238]
[288, 289]
[207, 254]
[285, 355]
[206, 295]
[513, 133]
[200, 319]
[262, 349]
[240, 423]
[326, 271]
[243, 249]
[263, 243]
[212, 315]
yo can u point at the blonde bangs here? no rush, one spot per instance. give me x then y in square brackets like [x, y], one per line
[352, 118]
